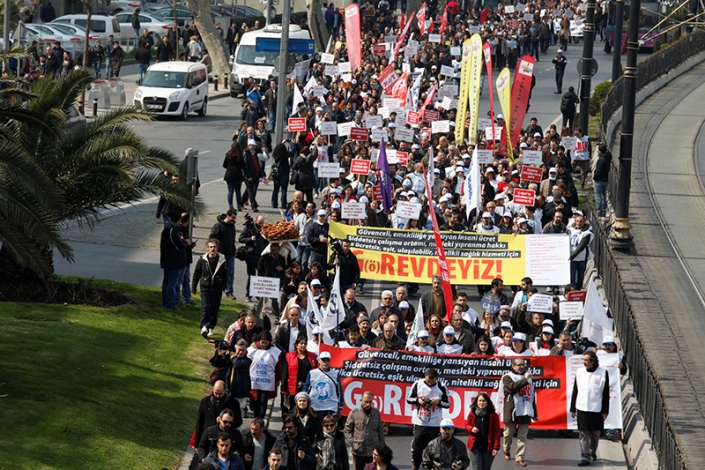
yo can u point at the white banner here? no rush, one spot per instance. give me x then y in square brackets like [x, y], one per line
[608, 362]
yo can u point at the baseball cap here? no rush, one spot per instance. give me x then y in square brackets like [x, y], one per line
[406, 184]
[522, 220]
[537, 134]
[324, 355]
[552, 170]
[547, 329]
[560, 51]
[519, 337]
[467, 156]
[547, 321]
[608, 340]
[335, 205]
[403, 305]
[436, 170]
[508, 214]
[318, 330]
[446, 198]
[363, 318]
[363, 199]
[321, 213]
[251, 142]
[447, 423]
[523, 145]
[489, 170]
[505, 172]
[506, 325]
[500, 116]
[315, 282]
[486, 215]
[392, 125]
[448, 330]
[422, 334]
[580, 213]
[500, 196]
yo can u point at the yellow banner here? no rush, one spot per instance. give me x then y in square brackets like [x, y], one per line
[473, 258]
[463, 92]
[475, 86]
[504, 92]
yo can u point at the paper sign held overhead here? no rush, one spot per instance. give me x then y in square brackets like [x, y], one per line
[373, 121]
[344, 128]
[430, 116]
[264, 287]
[493, 133]
[297, 124]
[525, 197]
[413, 118]
[329, 128]
[377, 135]
[532, 157]
[434, 38]
[359, 166]
[406, 135]
[359, 134]
[540, 303]
[328, 170]
[484, 157]
[353, 210]
[440, 127]
[344, 67]
[530, 173]
[570, 310]
[447, 71]
[332, 70]
[455, 51]
[327, 58]
[576, 296]
[408, 210]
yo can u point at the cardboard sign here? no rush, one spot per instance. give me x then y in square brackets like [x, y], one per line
[344, 67]
[436, 38]
[319, 90]
[576, 296]
[530, 173]
[408, 210]
[525, 197]
[403, 134]
[377, 135]
[568, 143]
[264, 287]
[413, 118]
[376, 193]
[328, 170]
[390, 39]
[353, 210]
[514, 24]
[329, 128]
[570, 310]
[532, 157]
[509, 9]
[332, 70]
[520, 7]
[529, 17]
[456, 51]
[474, 29]
[297, 124]
[447, 71]
[359, 166]
[392, 102]
[373, 121]
[484, 123]
[379, 49]
[430, 116]
[359, 133]
[327, 58]
[440, 127]
[344, 128]
[493, 133]
[484, 157]
[542, 303]
[403, 158]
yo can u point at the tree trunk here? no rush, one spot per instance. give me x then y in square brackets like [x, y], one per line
[317, 24]
[212, 40]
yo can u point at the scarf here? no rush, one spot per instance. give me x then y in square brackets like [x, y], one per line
[326, 456]
[480, 412]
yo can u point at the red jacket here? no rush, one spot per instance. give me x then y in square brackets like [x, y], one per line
[494, 433]
[292, 369]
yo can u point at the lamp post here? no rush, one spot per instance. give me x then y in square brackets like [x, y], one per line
[586, 72]
[620, 237]
[282, 90]
[617, 51]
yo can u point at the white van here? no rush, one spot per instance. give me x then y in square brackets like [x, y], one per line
[247, 62]
[102, 25]
[174, 89]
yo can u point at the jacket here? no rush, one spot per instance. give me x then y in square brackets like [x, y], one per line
[172, 247]
[304, 166]
[510, 387]
[248, 446]
[340, 460]
[349, 268]
[234, 461]
[313, 235]
[254, 247]
[282, 336]
[364, 431]
[290, 371]
[440, 454]
[395, 344]
[233, 165]
[493, 436]
[225, 234]
[212, 281]
[239, 383]
[209, 440]
[209, 410]
[268, 264]
[250, 169]
[290, 449]
[602, 167]
[143, 55]
[427, 303]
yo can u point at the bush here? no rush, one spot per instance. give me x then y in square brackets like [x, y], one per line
[598, 97]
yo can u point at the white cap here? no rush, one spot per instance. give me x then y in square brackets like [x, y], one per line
[363, 199]
[404, 194]
[436, 170]
[506, 325]
[448, 330]
[446, 197]
[392, 125]
[537, 134]
[319, 109]
[519, 336]
[508, 214]
[324, 355]
[251, 142]
[486, 215]
[499, 196]
[489, 170]
[467, 156]
[422, 334]
[560, 51]
[447, 423]
[315, 282]
[403, 304]
[318, 330]
[415, 200]
[580, 213]
[460, 169]
[552, 170]
[522, 220]
[321, 213]
[547, 321]
[406, 183]
[547, 329]
[523, 145]
[608, 340]
[500, 116]
[335, 205]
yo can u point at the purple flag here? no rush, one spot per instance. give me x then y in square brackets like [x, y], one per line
[385, 175]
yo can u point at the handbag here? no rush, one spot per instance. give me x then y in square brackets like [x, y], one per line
[294, 178]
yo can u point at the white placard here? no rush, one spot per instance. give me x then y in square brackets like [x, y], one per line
[509, 9]
[264, 287]
[390, 39]
[329, 128]
[540, 303]
[391, 156]
[377, 135]
[344, 128]
[568, 143]
[408, 210]
[442, 93]
[346, 77]
[353, 210]
[332, 70]
[456, 51]
[570, 310]
[434, 38]
[440, 127]
[406, 67]
[453, 103]
[384, 112]
[373, 121]
[410, 51]
[474, 29]
[327, 58]
[447, 71]
[451, 88]
[344, 67]
[446, 102]
[484, 157]
[547, 259]
[520, 7]
[497, 133]
[406, 135]
[532, 157]
[328, 170]
[528, 17]
[392, 102]
[484, 123]
[374, 153]
[543, 13]
[319, 90]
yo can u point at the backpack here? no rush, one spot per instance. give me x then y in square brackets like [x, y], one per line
[275, 171]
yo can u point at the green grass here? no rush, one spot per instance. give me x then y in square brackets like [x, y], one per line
[92, 388]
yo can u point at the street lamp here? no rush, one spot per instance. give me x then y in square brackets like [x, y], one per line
[617, 51]
[587, 69]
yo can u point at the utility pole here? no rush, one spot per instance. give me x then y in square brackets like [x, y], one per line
[621, 238]
[586, 72]
[282, 90]
[6, 25]
[268, 15]
[617, 51]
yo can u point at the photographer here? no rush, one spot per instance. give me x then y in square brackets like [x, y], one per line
[254, 245]
[445, 452]
[343, 258]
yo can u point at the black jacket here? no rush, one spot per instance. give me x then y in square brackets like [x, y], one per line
[602, 167]
[233, 165]
[248, 446]
[313, 235]
[283, 335]
[289, 451]
[211, 281]
[210, 409]
[349, 268]
[164, 52]
[143, 55]
[209, 440]
[225, 233]
[267, 267]
[254, 247]
[172, 247]
[341, 461]
[304, 166]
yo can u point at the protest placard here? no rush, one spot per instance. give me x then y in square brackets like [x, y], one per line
[493, 133]
[327, 58]
[455, 50]
[408, 210]
[261, 286]
[373, 121]
[392, 102]
[528, 17]
[379, 48]
[434, 38]
[413, 117]
[319, 90]
[446, 102]
[297, 124]
[576, 296]
[568, 143]
[530, 173]
[540, 303]
[570, 310]
[430, 116]
[360, 134]
[377, 135]
[332, 70]
[532, 157]
[402, 157]
[329, 128]
[344, 128]
[447, 71]
[328, 170]
[509, 9]
[484, 123]
[353, 210]
[359, 166]
[440, 127]
[525, 197]
[406, 135]
[484, 157]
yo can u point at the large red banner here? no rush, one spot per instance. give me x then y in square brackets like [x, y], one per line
[521, 90]
[421, 19]
[487, 52]
[402, 35]
[390, 374]
[352, 35]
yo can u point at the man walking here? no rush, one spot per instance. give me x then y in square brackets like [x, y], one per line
[591, 402]
[429, 397]
[568, 102]
[211, 273]
[559, 62]
[519, 408]
[224, 232]
[445, 452]
[363, 430]
[325, 389]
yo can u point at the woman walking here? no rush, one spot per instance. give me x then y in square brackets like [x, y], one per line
[483, 429]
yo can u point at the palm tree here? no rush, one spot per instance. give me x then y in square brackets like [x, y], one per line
[97, 165]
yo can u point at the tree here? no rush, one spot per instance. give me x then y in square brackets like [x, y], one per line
[200, 9]
[51, 175]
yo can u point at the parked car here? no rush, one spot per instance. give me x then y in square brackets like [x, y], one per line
[73, 29]
[116, 6]
[183, 16]
[50, 30]
[155, 26]
[101, 25]
[174, 89]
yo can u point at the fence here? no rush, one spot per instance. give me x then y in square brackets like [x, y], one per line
[647, 386]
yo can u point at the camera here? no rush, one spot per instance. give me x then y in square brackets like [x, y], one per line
[336, 245]
[457, 463]
[427, 403]
[221, 344]
[248, 220]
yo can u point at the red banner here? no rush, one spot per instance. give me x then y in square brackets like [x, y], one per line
[359, 166]
[521, 90]
[352, 35]
[402, 36]
[376, 192]
[400, 89]
[487, 51]
[444, 21]
[390, 374]
[576, 296]
[430, 116]
[525, 197]
[531, 173]
[413, 117]
[387, 78]
[421, 19]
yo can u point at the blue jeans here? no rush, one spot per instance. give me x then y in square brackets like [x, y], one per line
[108, 67]
[601, 197]
[234, 188]
[170, 284]
[210, 304]
[184, 284]
[577, 273]
[96, 67]
[137, 36]
[252, 191]
[271, 115]
[318, 258]
[280, 185]
[304, 255]
[142, 70]
[230, 264]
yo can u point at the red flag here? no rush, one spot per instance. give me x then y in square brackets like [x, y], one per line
[484, 15]
[402, 35]
[401, 22]
[444, 21]
[309, 136]
[431, 95]
[400, 88]
[431, 26]
[487, 49]
[442, 262]
[421, 19]
[352, 35]
[521, 89]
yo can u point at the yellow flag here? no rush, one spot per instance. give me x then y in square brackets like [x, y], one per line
[463, 93]
[475, 83]
[504, 92]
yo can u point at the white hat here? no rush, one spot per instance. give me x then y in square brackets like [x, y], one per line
[422, 334]
[508, 214]
[506, 325]
[433, 67]
[547, 321]
[580, 213]
[500, 116]
[318, 330]
[321, 213]
[548, 329]
[522, 220]
[448, 330]
[460, 168]
[251, 142]
[324, 355]
[403, 304]
[363, 199]
[447, 423]
[403, 194]
[335, 205]
[537, 134]
[436, 170]
[392, 125]
[406, 183]
[608, 340]
[374, 77]
[315, 282]
[519, 336]
[499, 196]
[489, 170]
[560, 51]
[523, 145]
[552, 170]
[319, 109]
[446, 198]
[415, 146]
[415, 200]
[486, 215]
[459, 164]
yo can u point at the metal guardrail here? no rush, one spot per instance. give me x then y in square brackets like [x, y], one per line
[647, 386]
